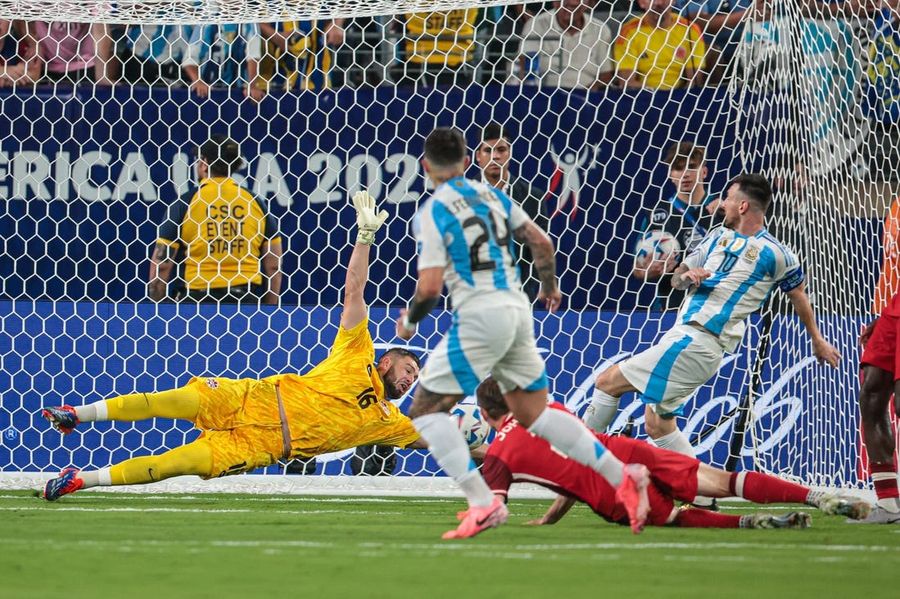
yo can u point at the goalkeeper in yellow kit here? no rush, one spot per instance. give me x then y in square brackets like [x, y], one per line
[248, 423]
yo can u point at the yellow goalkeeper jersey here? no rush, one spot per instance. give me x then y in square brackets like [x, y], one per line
[341, 403]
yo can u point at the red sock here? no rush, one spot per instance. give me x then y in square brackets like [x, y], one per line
[763, 488]
[697, 518]
[884, 477]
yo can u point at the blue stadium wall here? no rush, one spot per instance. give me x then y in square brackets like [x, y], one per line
[84, 180]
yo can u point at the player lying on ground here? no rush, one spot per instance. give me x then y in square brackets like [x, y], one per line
[248, 424]
[515, 455]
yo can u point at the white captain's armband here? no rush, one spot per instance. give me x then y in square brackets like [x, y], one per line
[792, 280]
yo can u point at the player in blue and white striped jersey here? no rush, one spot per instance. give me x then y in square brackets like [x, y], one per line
[223, 55]
[465, 231]
[728, 277]
[153, 53]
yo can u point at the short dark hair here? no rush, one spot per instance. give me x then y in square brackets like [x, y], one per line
[222, 155]
[683, 154]
[495, 130]
[755, 188]
[399, 352]
[445, 147]
[490, 398]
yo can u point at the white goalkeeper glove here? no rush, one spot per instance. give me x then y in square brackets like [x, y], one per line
[367, 221]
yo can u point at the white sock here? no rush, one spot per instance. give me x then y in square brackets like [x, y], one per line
[599, 415]
[92, 412]
[890, 504]
[677, 441]
[95, 478]
[449, 448]
[570, 436]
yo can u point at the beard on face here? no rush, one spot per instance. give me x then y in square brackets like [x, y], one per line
[390, 387]
[730, 222]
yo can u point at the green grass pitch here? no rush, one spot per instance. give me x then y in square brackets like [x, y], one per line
[167, 546]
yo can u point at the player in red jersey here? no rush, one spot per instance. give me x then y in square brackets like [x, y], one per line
[516, 455]
[880, 365]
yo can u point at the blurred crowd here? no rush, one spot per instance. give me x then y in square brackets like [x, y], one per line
[658, 44]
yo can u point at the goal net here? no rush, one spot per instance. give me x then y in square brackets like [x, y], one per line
[622, 120]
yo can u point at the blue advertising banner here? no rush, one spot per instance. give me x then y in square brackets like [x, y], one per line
[803, 420]
[86, 178]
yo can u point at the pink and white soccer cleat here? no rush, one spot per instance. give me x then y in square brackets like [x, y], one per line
[632, 493]
[478, 519]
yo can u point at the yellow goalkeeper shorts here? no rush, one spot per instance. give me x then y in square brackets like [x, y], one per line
[240, 422]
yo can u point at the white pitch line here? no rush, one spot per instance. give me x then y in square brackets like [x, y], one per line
[104, 496]
[485, 550]
[195, 510]
[652, 545]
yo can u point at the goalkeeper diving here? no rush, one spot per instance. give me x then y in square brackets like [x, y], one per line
[248, 423]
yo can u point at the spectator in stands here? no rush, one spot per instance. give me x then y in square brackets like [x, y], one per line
[493, 157]
[688, 216]
[222, 55]
[438, 48]
[721, 22]
[882, 94]
[16, 48]
[659, 50]
[565, 47]
[72, 53]
[152, 54]
[230, 247]
[298, 55]
[840, 9]
[502, 48]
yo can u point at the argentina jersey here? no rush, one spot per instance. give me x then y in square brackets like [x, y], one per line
[221, 52]
[159, 43]
[745, 270]
[466, 228]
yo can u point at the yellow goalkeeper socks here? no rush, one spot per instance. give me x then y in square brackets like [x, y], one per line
[182, 403]
[193, 458]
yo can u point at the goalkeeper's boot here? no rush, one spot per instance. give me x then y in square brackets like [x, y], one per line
[62, 418]
[477, 519]
[879, 515]
[791, 520]
[67, 482]
[632, 493]
[851, 507]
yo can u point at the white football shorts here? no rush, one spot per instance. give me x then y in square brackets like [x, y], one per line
[667, 373]
[486, 339]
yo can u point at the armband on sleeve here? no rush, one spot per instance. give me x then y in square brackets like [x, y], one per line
[793, 280]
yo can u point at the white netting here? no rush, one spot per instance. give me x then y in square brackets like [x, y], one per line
[89, 172]
[220, 11]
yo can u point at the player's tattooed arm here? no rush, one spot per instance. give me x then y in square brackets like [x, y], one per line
[162, 262]
[544, 257]
[428, 402]
[822, 350]
[685, 277]
[428, 293]
[559, 508]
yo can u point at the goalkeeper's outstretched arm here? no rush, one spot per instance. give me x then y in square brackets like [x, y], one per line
[367, 222]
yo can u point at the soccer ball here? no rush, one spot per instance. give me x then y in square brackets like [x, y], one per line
[474, 429]
[656, 246]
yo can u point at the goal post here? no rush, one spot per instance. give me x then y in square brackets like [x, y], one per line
[88, 173]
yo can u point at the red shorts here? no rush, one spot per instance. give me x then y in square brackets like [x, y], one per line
[881, 350]
[673, 476]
